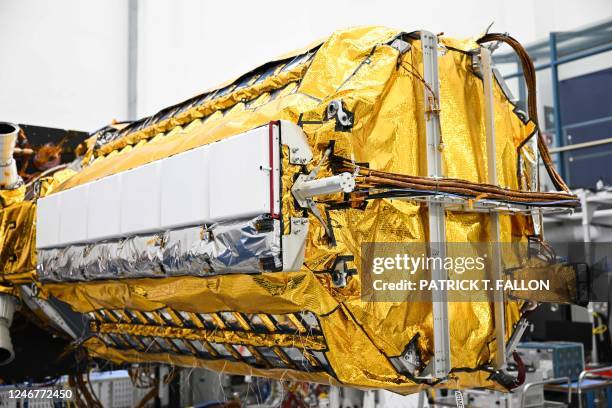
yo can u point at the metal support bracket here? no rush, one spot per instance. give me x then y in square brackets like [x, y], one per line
[293, 136]
[495, 233]
[519, 330]
[306, 187]
[35, 303]
[300, 153]
[344, 118]
[294, 244]
[340, 271]
[440, 365]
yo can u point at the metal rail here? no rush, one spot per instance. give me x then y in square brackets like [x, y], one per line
[579, 146]
[494, 234]
[554, 69]
[588, 47]
[580, 39]
[437, 220]
[549, 381]
[581, 378]
[564, 60]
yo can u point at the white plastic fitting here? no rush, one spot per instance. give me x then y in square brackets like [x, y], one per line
[304, 188]
[9, 178]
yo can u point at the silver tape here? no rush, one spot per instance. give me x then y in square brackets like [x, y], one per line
[245, 246]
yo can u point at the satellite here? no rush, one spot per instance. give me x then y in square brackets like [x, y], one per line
[235, 231]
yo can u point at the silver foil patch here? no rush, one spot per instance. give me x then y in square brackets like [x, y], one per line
[237, 246]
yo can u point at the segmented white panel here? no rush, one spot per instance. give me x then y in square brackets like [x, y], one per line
[229, 179]
[104, 210]
[73, 215]
[47, 221]
[240, 175]
[185, 173]
[140, 199]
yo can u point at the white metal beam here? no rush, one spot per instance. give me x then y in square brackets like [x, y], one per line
[437, 229]
[132, 63]
[494, 235]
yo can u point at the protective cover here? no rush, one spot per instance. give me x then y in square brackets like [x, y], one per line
[162, 303]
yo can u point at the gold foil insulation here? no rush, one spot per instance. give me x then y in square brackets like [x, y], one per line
[384, 91]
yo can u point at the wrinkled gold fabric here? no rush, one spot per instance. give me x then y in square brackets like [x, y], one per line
[18, 241]
[275, 293]
[18, 230]
[560, 277]
[9, 197]
[217, 336]
[384, 92]
[50, 184]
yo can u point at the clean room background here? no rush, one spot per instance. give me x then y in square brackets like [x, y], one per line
[80, 64]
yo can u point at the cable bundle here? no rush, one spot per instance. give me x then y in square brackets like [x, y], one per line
[405, 185]
[530, 79]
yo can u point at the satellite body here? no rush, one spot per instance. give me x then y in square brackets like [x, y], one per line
[227, 231]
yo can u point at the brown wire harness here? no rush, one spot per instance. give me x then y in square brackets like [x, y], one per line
[369, 179]
[530, 79]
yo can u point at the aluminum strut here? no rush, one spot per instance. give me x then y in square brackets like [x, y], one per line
[494, 233]
[437, 229]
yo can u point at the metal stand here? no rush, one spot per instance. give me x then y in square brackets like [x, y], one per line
[527, 386]
[584, 374]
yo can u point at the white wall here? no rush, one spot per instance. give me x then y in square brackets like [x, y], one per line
[63, 63]
[72, 61]
[191, 45]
